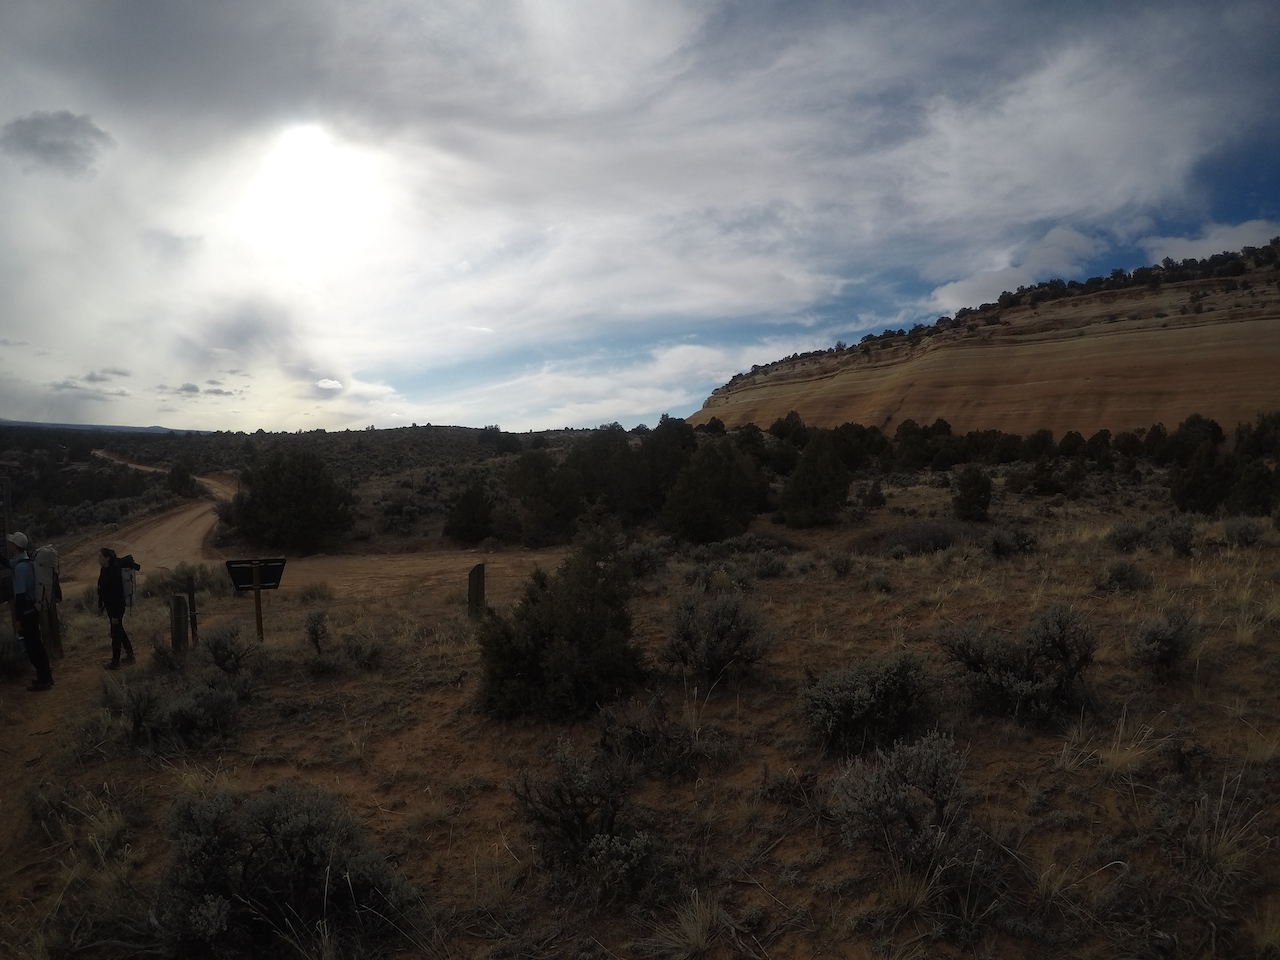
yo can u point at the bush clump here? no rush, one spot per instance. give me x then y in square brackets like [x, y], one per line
[566, 648]
[973, 495]
[1162, 643]
[715, 495]
[576, 818]
[252, 876]
[1124, 576]
[293, 501]
[1034, 679]
[1242, 531]
[716, 634]
[819, 486]
[903, 796]
[869, 704]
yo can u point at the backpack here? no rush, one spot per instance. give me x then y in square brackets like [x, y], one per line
[48, 586]
[128, 577]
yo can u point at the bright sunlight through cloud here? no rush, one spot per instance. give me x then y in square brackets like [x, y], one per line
[314, 202]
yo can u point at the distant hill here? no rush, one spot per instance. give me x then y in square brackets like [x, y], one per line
[1117, 353]
[95, 427]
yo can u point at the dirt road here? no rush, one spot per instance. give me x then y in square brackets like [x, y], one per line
[157, 540]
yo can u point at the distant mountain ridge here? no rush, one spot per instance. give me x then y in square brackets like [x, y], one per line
[1113, 353]
[95, 427]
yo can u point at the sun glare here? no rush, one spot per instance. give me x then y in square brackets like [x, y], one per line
[313, 200]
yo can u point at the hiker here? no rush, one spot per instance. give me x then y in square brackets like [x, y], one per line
[112, 601]
[24, 603]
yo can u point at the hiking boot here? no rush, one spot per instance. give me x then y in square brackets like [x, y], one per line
[40, 685]
[110, 665]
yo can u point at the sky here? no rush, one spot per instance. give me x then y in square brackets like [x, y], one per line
[295, 214]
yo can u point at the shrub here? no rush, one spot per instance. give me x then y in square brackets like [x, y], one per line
[365, 652]
[649, 558]
[1124, 576]
[768, 565]
[201, 713]
[839, 562]
[973, 494]
[470, 520]
[903, 797]
[716, 633]
[1162, 643]
[1004, 542]
[579, 801]
[819, 485]
[228, 651]
[566, 648]
[1034, 679]
[644, 736]
[292, 501]
[910, 805]
[923, 536]
[716, 494]
[251, 876]
[869, 704]
[872, 498]
[317, 630]
[1127, 537]
[1242, 531]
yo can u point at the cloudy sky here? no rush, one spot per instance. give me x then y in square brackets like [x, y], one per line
[289, 214]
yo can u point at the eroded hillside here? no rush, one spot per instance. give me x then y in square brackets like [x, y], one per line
[1115, 359]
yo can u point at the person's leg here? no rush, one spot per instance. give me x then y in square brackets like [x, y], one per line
[124, 641]
[119, 641]
[35, 651]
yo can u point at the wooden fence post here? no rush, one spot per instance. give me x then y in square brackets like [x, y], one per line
[178, 622]
[475, 592]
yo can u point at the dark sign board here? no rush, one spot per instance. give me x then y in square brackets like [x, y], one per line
[269, 573]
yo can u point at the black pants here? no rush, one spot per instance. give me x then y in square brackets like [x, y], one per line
[31, 639]
[119, 638]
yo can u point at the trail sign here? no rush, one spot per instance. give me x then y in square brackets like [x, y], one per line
[256, 575]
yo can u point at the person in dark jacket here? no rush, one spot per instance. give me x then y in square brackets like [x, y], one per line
[24, 604]
[111, 601]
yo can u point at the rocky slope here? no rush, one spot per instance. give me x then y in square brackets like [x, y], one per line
[1115, 359]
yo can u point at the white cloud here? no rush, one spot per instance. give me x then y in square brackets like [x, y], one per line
[336, 204]
[1059, 253]
[1215, 238]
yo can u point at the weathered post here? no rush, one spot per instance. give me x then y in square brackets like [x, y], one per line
[178, 623]
[475, 592]
[257, 596]
[191, 601]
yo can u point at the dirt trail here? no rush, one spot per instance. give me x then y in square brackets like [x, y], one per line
[158, 540]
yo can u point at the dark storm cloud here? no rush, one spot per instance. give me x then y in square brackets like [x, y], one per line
[62, 141]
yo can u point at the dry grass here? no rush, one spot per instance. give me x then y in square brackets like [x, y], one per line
[746, 860]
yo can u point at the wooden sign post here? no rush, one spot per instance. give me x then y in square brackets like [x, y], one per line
[256, 575]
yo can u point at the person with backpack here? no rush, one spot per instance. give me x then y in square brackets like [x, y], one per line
[112, 599]
[24, 604]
